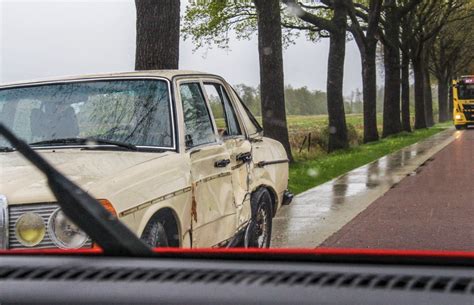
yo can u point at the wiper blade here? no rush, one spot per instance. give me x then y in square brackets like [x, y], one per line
[104, 229]
[6, 149]
[84, 141]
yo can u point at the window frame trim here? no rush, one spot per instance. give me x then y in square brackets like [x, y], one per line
[197, 80]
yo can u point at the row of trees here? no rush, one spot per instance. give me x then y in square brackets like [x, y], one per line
[412, 33]
[298, 101]
[303, 101]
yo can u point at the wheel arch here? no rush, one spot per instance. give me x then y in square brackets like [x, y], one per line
[273, 196]
[170, 220]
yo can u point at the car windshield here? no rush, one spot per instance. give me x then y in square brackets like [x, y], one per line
[240, 124]
[466, 91]
[136, 112]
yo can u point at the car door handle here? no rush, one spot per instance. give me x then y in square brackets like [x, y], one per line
[244, 157]
[222, 163]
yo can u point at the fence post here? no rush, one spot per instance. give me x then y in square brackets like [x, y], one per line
[309, 141]
[302, 144]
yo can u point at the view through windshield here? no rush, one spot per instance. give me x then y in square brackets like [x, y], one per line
[238, 124]
[466, 91]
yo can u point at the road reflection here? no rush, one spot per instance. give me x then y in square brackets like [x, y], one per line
[316, 214]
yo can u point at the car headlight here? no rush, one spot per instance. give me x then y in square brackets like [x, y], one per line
[458, 116]
[3, 222]
[30, 229]
[64, 233]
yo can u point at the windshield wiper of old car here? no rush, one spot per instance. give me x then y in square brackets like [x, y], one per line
[84, 141]
[101, 226]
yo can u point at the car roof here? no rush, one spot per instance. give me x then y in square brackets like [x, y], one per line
[168, 74]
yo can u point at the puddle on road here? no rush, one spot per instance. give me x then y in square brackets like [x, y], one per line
[336, 201]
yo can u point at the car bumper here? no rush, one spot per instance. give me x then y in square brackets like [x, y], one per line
[287, 198]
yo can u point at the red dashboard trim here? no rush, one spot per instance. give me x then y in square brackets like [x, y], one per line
[289, 252]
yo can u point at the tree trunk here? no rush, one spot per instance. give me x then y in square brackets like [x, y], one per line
[391, 113]
[405, 70]
[369, 87]
[271, 72]
[157, 34]
[420, 114]
[335, 76]
[443, 99]
[428, 98]
[406, 93]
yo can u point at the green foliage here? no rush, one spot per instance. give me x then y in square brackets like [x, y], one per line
[451, 51]
[211, 23]
[302, 101]
[251, 97]
[310, 173]
[298, 101]
[217, 110]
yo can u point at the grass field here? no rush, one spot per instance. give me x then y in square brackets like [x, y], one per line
[315, 166]
[300, 122]
[309, 134]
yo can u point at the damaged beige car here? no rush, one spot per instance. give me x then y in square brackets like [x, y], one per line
[175, 155]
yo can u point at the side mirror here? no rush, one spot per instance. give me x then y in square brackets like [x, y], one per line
[188, 140]
[257, 137]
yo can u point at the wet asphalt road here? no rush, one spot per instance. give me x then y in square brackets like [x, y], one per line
[430, 209]
[320, 212]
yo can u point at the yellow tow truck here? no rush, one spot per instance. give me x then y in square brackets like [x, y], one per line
[463, 102]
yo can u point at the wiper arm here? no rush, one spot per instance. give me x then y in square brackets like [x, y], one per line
[84, 141]
[103, 228]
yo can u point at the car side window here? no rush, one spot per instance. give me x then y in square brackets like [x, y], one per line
[222, 109]
[197, 120]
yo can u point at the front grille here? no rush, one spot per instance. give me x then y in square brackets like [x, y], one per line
[468, 111]
[44, 210]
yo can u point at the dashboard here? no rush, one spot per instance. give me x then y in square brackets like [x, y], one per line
[60, 279]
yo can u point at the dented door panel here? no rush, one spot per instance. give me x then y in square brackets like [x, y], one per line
[241, 167]
[213, 211]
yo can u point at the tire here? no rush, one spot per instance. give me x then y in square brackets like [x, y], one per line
[154, 234]
[259, 230]
[459, 127]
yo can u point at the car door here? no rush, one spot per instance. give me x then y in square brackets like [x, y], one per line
[231, 132]
[213, 212]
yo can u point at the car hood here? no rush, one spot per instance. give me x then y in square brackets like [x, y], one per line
[22, 182]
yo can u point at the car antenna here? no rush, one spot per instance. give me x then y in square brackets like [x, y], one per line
[102, 227]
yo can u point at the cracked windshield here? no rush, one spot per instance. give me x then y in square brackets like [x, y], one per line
[237, 124]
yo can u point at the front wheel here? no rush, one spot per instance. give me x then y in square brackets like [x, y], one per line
[154, 234]
[259, 231]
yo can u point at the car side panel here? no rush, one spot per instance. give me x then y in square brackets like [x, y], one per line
[240, 178]
[144, 189]
[213, 207]
[274, 175]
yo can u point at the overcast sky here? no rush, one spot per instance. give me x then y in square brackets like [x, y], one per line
[42, 38]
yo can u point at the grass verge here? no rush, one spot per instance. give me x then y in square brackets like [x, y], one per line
[306, 174]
